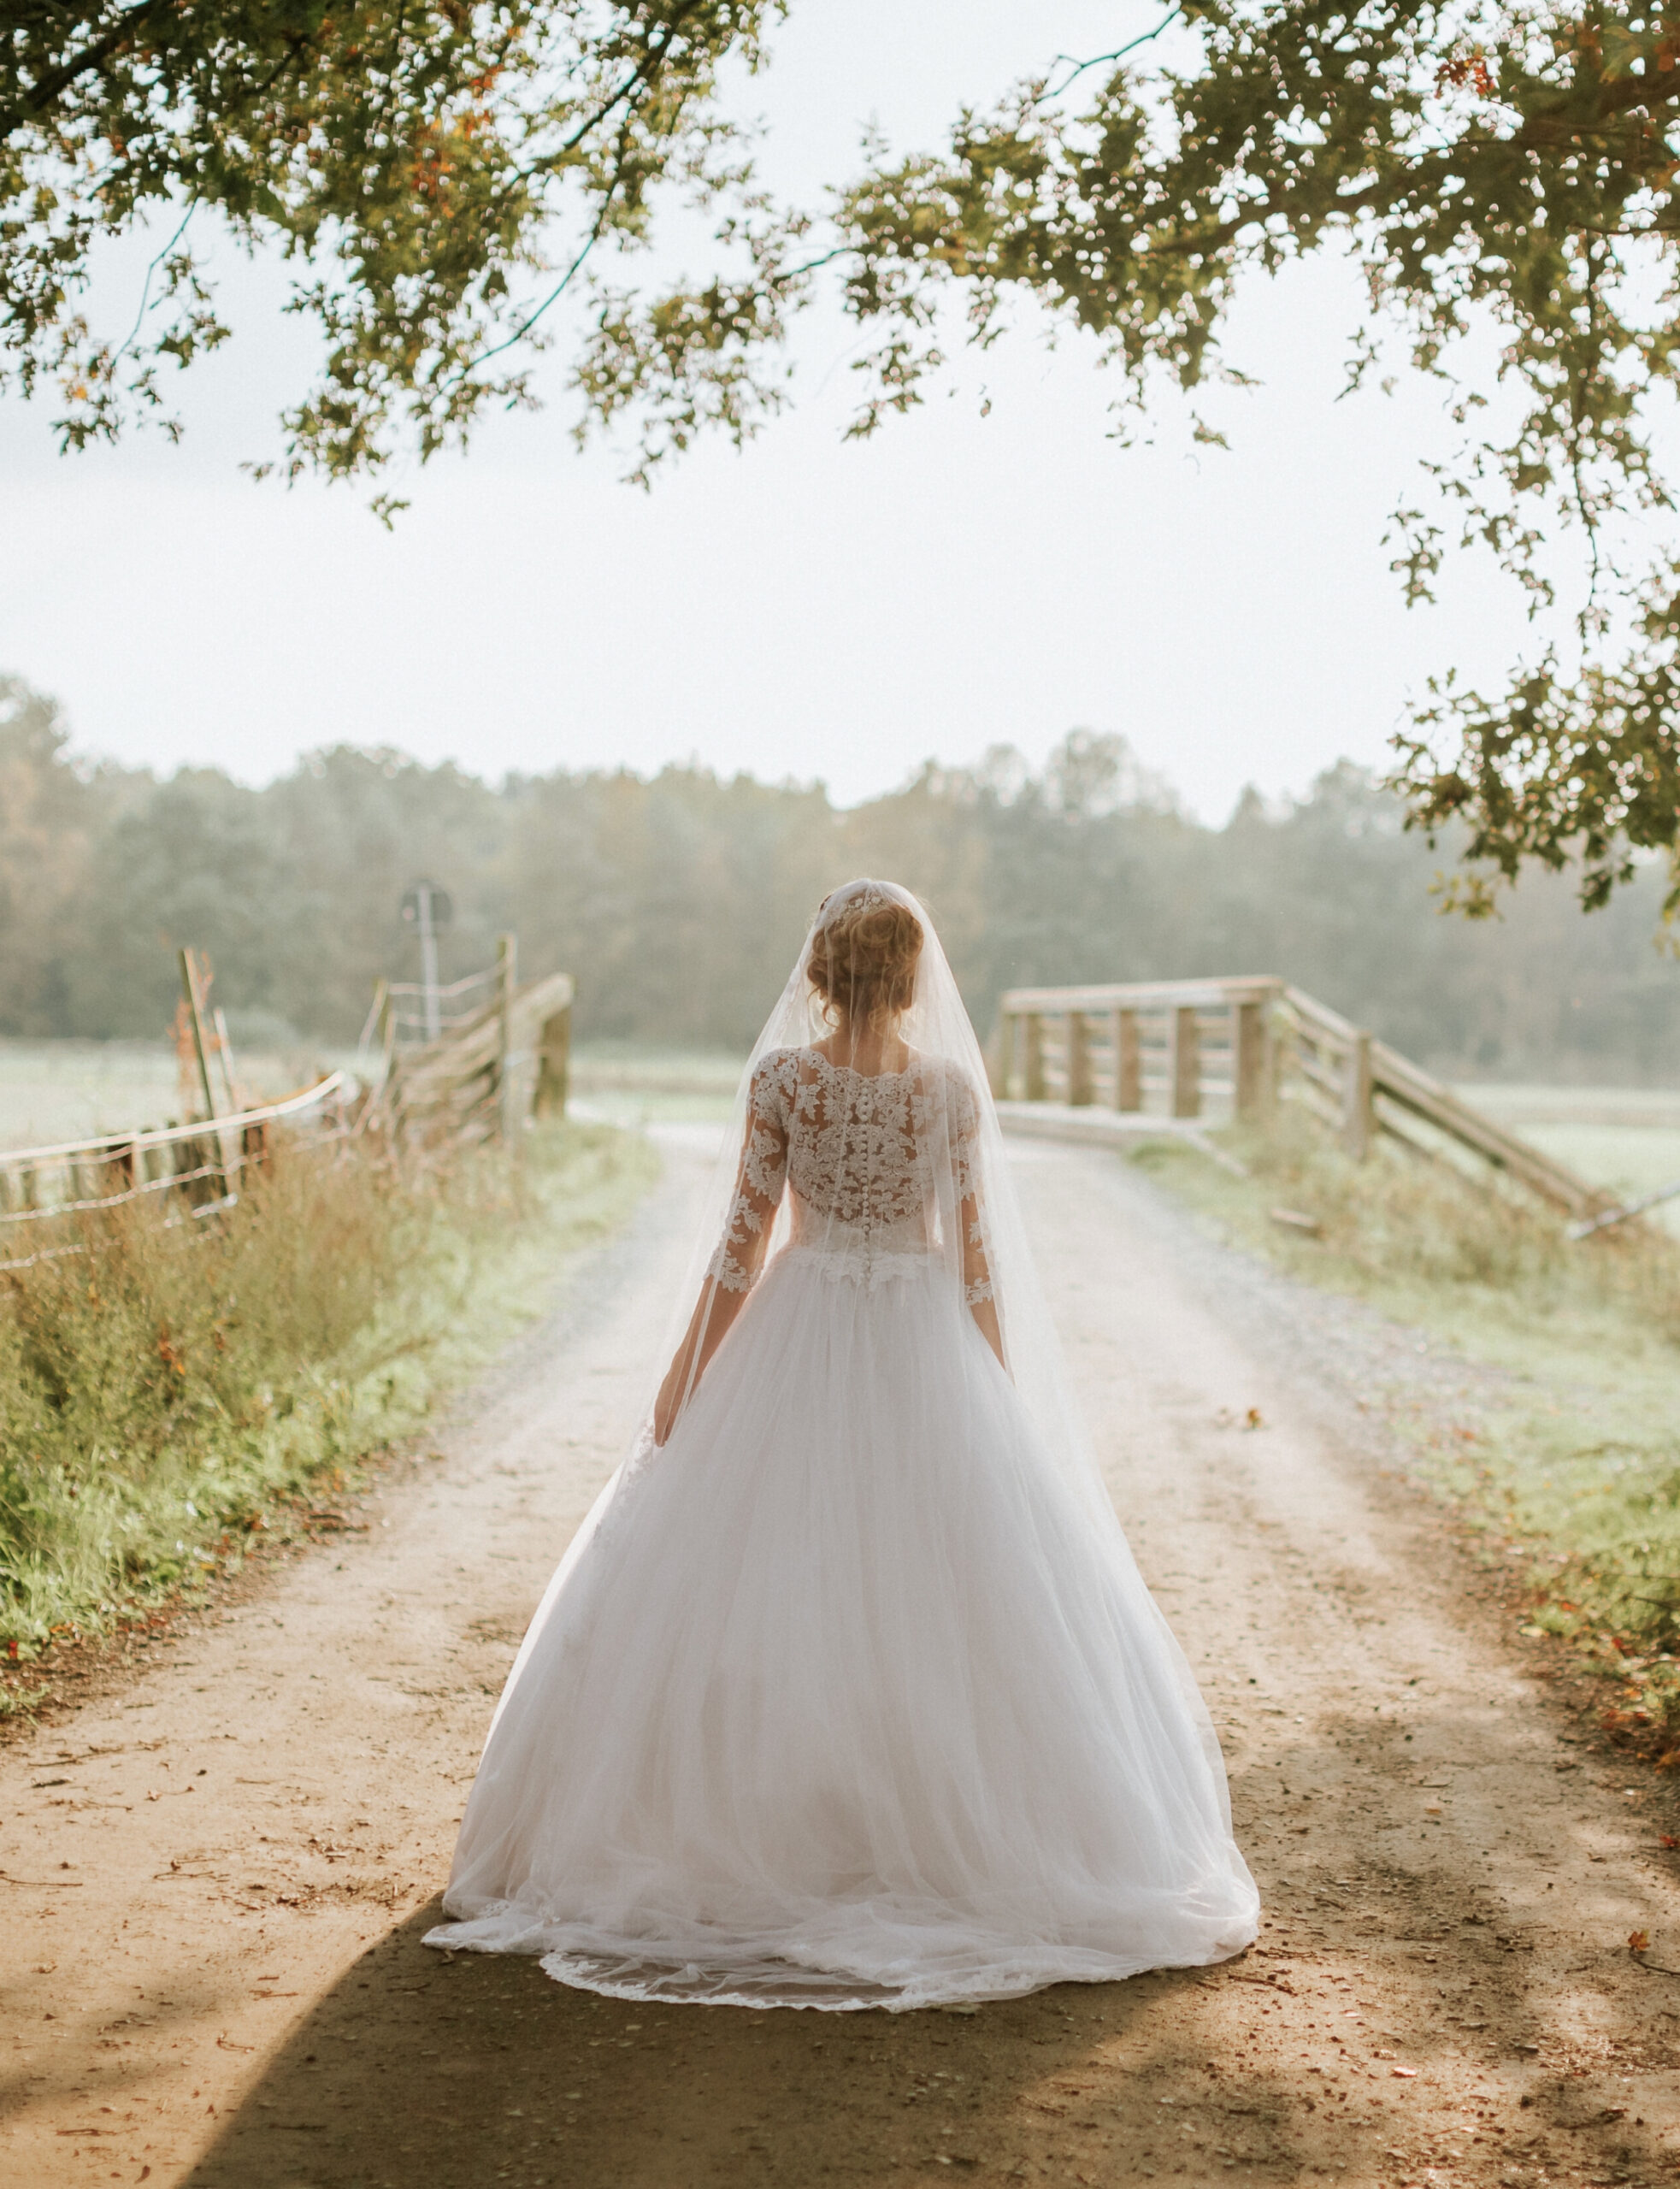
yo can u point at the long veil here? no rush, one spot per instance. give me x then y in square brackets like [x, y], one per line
[850, 1693]
[962, 1146]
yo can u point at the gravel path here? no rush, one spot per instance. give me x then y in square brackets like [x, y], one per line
[213, 1883]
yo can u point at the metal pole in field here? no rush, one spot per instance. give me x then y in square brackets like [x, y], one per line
[427, 909]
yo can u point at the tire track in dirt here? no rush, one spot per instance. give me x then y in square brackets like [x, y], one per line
[224, 1984]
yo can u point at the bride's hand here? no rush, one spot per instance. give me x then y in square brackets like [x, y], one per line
[668, 1404]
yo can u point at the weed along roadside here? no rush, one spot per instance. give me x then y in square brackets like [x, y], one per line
[174, 1395]
[1562, 1450]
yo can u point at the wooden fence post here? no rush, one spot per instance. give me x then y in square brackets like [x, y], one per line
[554, 1065]
[1251, 1040]
[224, 1049]
[385, 1027]
[195, 1012]
[1356, 1108]
[1032, 1027]
[1187, 1063]
[1128, 1062]
[507, 1075]
[195, 989]
[1082, 1088]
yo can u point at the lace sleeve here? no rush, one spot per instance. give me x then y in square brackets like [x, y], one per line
[964, 1136]
[759, 1182]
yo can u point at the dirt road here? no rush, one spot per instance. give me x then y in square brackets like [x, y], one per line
[215, 1884]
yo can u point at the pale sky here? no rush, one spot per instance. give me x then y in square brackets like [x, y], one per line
[809, 609]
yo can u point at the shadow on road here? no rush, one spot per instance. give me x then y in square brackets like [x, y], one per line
[457, 2074]
[475, 2071]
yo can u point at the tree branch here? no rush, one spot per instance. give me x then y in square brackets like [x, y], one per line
[1097, 60]
[41, 95]
[640, 73]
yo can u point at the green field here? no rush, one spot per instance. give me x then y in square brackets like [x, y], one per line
[625, 1084]
[1627, 1139]
[53, 1091]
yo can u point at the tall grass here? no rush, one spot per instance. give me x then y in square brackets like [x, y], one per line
[170, 1378]
[1569, 1457]
[1411, 1227]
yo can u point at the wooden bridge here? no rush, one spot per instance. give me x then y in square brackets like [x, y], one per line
[1213, 1052]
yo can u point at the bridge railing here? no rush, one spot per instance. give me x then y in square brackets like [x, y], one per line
[1229, 1049]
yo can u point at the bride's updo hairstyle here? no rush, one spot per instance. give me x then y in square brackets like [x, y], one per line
[864, 954]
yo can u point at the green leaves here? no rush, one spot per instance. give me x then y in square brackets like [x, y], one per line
[1558, 771]
[411, 161]
[1507, 175]
[443, 175]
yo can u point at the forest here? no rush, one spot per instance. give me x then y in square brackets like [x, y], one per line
[677, 902]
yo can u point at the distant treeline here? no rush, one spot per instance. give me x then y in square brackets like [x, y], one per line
[678, 902]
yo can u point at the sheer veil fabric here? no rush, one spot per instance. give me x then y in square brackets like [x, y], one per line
[851, 1694]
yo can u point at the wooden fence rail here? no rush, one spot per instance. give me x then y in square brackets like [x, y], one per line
[200, 1159]
[495, 1066]
[1230, 1048]
[509, 1059]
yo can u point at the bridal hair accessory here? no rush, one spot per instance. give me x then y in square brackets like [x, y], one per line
[859, 896]
[862, 954]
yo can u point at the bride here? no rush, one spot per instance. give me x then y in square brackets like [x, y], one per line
[848, 1692]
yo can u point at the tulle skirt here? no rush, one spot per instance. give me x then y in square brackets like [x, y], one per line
[841, 1700]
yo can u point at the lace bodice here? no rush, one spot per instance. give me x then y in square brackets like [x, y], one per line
[878, 1166]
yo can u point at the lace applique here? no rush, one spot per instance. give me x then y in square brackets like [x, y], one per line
[855, 1153]
[862, 1151]
[979, 1290]
[764, 1172]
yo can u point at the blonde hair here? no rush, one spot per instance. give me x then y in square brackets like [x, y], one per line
[863, 958]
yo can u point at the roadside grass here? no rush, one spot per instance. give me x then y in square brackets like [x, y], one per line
[1571, 1456]
[169, 1391]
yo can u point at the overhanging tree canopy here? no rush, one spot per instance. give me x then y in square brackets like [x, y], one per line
[436, 169]
[439, 171]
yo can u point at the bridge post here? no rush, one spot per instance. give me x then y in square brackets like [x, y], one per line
[507, 1119]
[1128, 1062]
[1187, 1063]
[1251, 1073]
[1356, 1110]
[1082, 1088]
[554, 1065]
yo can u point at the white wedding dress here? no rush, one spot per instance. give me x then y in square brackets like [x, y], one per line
[844, 1697]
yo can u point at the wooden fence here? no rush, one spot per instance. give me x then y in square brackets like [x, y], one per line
[498, 1061]
[1219, 1050]
[201, 1160]
[507, 1058]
